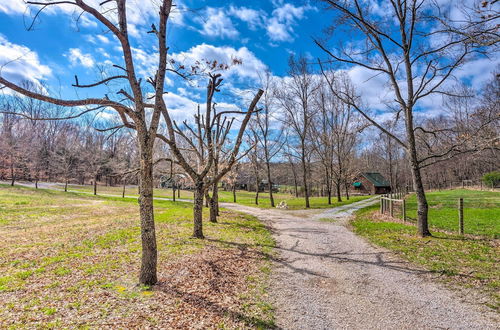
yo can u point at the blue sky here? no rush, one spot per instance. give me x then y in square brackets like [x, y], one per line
[261, 33]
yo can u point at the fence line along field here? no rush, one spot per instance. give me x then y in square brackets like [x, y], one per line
[481, 211]
[71, 260]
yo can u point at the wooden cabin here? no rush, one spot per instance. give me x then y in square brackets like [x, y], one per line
[371, 183]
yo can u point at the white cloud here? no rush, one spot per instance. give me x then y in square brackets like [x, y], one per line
[18, 63]
[13, 6]
[254, 18]
[76, 57]
[218, 24]
[139, 12]
[280, 26]
[103, 39]
[250, 68]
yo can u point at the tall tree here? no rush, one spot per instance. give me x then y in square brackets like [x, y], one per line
[295, 97]
[415, 52]
[130, 106]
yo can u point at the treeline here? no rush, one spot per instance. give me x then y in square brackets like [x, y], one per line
[70, 151]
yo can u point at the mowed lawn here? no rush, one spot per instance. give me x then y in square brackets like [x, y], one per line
[481, 211]
[242, 197]
[470, 261]
[71, 260]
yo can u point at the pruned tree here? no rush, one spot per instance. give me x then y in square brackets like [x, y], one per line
[205, 138]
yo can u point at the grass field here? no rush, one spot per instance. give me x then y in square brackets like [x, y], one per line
[242, 197]
[69, 260]
[470, 261]
[481, 211]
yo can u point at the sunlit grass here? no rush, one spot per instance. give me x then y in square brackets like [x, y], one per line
[62, 255]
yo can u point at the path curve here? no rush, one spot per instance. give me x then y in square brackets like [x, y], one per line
[326, 277]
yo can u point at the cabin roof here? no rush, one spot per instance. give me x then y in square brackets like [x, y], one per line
[376, 179]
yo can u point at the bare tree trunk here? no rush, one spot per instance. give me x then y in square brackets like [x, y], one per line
[339, 197]
[178, 193]
[95, 185]
[422, 206]
[207, 199]
[304, 177]
[123, 191]
[12, 174]
[173, 191]
[216, 198]
[234, 193]
[36, 183]
[257, 190]
[198, 209]
[148, 235]
[346, 190]
[66, 185]
[270, 184]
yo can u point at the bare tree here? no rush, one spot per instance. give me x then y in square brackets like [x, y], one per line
[417, 55]
[296, 99]
[130, 104]
[335, 130]
[270, 138]
[205, 139]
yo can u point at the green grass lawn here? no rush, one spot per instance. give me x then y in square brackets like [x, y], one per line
[464, 261]
[72, 260]
[242, 197]
[481, 211]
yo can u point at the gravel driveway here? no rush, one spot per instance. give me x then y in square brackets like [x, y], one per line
[326, 277]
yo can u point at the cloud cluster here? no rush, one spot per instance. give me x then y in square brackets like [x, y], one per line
[279, 25]
[77, 57]
[139, 12]
[19, 63]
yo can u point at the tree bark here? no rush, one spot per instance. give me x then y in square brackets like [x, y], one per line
[422, 206]
[270, 184]
[198, 209]
[304, 177]
[66, 185]
[12, 174]
[95, 185]
[337, 186]
[123, 191]
[148, 274]
[234, 193]
[257, 190]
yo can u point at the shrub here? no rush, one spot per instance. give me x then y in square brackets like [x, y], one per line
[492, 179]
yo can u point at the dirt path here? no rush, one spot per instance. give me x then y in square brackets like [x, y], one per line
[326, 277]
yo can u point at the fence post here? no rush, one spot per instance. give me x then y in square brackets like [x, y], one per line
[391, 208]
[461, 216]
[381, 206]
[404, 210]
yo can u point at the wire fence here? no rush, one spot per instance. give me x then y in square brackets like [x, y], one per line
[476, 213]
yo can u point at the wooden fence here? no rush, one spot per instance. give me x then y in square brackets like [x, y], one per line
[387, 202]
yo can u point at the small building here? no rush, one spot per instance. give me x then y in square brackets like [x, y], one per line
[371, 183]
